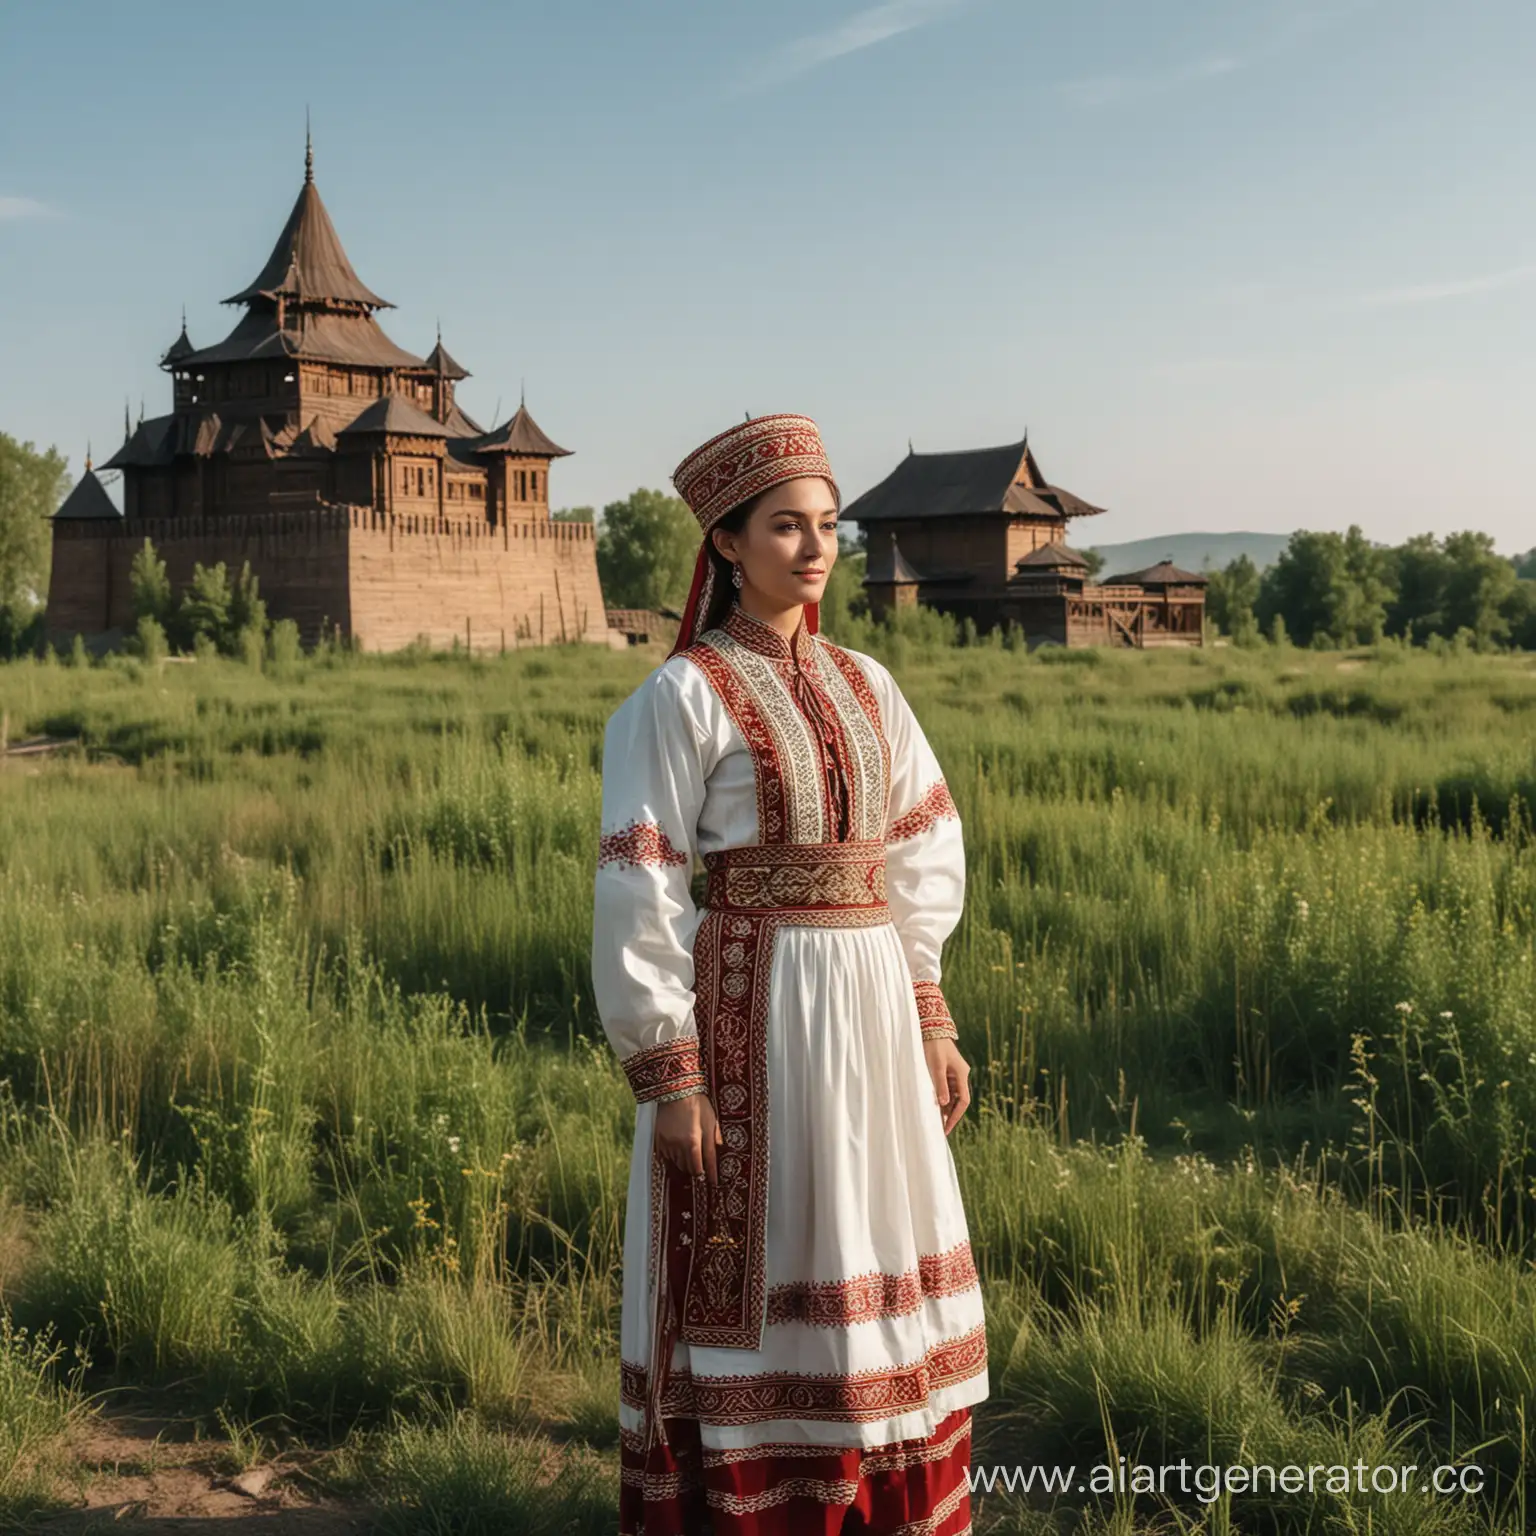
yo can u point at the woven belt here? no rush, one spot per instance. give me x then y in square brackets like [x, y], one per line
[798, 877]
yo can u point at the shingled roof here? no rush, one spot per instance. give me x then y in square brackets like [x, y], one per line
[149, 445]
[461, 424]
[324, 338]
[442, 364]
[520, 434]
[396, 415]
[1002, 479]
[88, 501]
[1051, 557]
[1164, 574]
[180, 348]
[308, 264]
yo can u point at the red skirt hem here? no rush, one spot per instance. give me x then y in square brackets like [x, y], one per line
[913, 1487]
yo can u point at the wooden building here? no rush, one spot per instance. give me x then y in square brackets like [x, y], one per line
[982, 534]
[368, 502]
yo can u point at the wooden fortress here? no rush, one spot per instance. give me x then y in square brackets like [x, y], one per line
[369, 504]
[982, 534]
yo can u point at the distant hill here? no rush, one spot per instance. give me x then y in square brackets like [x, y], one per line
[1193, 551]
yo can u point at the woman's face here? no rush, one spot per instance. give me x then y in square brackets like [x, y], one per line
[789, 544]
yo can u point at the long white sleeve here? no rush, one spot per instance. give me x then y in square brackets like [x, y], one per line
[644, 917]
[925, 854]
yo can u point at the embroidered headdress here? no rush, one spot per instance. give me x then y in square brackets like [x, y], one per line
[732, 468]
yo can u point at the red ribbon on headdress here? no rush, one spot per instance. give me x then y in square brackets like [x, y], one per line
[699, 593]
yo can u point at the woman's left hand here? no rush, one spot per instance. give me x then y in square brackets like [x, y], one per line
[951, 1075]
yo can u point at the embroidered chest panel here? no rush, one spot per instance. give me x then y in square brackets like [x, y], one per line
[805, 709]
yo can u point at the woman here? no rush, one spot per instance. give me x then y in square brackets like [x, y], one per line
[802, 1334]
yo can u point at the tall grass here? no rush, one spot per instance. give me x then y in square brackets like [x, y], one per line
[305, 1109]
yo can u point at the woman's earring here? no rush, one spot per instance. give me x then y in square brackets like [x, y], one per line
[736, 576]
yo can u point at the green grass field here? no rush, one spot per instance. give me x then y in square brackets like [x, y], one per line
[307, 1126]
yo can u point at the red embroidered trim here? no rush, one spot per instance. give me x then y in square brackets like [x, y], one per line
[868, 1297]
[933, 1012]
[750, 720]
[874, 1458]
[666, 1071]
[640, 843]
[768, 641]
[934, 805]
[916, 1487]
[859, 686]
[881, 1393]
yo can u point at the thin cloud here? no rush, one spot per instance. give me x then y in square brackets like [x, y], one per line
[1453, 288]
[1289, 30]
[24, 208]
[874, 24]
[1106, 90]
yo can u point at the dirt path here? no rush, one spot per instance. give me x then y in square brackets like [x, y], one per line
[146, 1474]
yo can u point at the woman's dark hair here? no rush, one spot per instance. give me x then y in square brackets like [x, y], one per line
[724, 594]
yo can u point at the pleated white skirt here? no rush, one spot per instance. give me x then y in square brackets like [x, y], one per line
[872, 1296]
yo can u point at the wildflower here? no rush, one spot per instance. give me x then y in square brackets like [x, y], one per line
[1405, 1008]
[454, 1144]
[1446, 1013]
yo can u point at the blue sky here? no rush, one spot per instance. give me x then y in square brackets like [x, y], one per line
[1235, 265]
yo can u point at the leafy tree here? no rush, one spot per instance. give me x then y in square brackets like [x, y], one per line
[1521, 613]
[151, 587]
[1369, 570]
[1095, 559]
[204, 611]
[1479, 584]
[149, 638]
[283, 644]
[1230, 599]
[1462, 584]
[1417, 609]
[247, 609]
[32, 484]
[21, 632]
[1328, 588]
[646, 548]
[573, 515]
[1525, 565]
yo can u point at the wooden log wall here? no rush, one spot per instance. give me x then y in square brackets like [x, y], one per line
[385, 580]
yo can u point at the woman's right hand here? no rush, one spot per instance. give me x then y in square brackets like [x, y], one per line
[687, 1134]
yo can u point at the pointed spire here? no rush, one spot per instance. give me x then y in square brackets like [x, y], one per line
[141, 410]
[520, 435]
[308, 263]
[441, 361]
[522, 394]
[89, 499]
[127, 424]
[181, 347]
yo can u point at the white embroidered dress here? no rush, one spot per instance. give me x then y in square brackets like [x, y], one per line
[870, 1312]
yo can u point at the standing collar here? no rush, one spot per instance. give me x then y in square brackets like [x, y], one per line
[767, 641]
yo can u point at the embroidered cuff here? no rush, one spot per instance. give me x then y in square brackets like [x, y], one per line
[933, 805]
[671, 1070]
[933, 1012]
